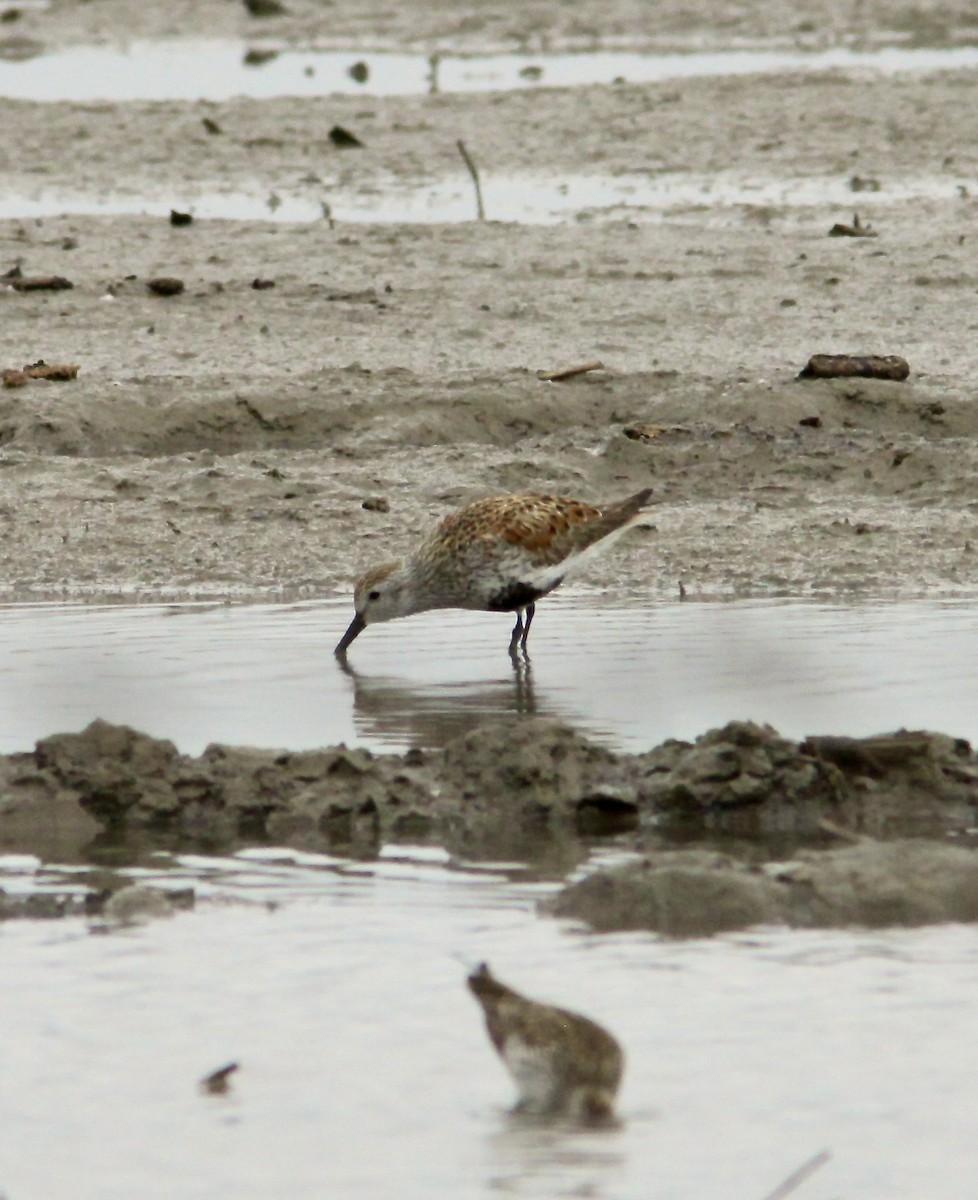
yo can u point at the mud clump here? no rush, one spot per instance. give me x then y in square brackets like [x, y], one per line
[743, 779]
[504, 785]
[39, 816]
[115, 772]
[689, 893]
[747, 780]
[347, 799]
[340, 799]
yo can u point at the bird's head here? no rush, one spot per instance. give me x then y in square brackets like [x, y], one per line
[380, 594]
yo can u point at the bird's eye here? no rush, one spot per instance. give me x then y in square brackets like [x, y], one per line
[374, 595]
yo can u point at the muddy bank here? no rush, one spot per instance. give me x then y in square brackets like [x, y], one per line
[538, 791]
[223, 440]
[504, 788]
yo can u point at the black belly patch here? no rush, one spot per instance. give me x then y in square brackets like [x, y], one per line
[517, 595]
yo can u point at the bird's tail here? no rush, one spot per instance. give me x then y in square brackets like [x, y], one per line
[628, 510]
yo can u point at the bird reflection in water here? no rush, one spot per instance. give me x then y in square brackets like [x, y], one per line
[390, 710]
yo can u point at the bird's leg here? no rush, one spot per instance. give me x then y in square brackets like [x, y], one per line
[521, 629]
[518, 633]
[530, 609]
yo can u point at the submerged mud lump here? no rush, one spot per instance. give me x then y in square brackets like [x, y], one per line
[680, 893]
[692, 893]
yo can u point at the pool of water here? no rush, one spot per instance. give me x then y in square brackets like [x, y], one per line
[628, 674]
[339, 985]
[365, 1072]
[526, 199]
[193, 69]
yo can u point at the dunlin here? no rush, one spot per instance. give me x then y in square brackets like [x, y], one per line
[562, 1063]
[495, 555]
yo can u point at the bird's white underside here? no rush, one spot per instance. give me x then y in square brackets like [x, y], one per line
[532, 1069]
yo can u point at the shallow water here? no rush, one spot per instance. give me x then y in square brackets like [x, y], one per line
[215, 70]
[195, 69]
[631, 675]
[365, 1072]
[339, 985]
[527, 199]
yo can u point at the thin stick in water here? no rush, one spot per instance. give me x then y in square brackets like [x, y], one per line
[467, 159]
[797, 1178]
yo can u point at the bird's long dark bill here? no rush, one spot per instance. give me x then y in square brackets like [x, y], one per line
[357, 626]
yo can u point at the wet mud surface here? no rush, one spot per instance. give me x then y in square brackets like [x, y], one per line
[224, 439]
[317, 394]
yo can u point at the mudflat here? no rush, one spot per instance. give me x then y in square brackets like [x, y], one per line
[271, 440]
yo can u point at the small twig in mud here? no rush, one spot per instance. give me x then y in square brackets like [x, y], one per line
[570, 372]
[254, 413]
[40, 283]
[467, 159]
[797, 1178]
[868, 755]
[433, 64]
